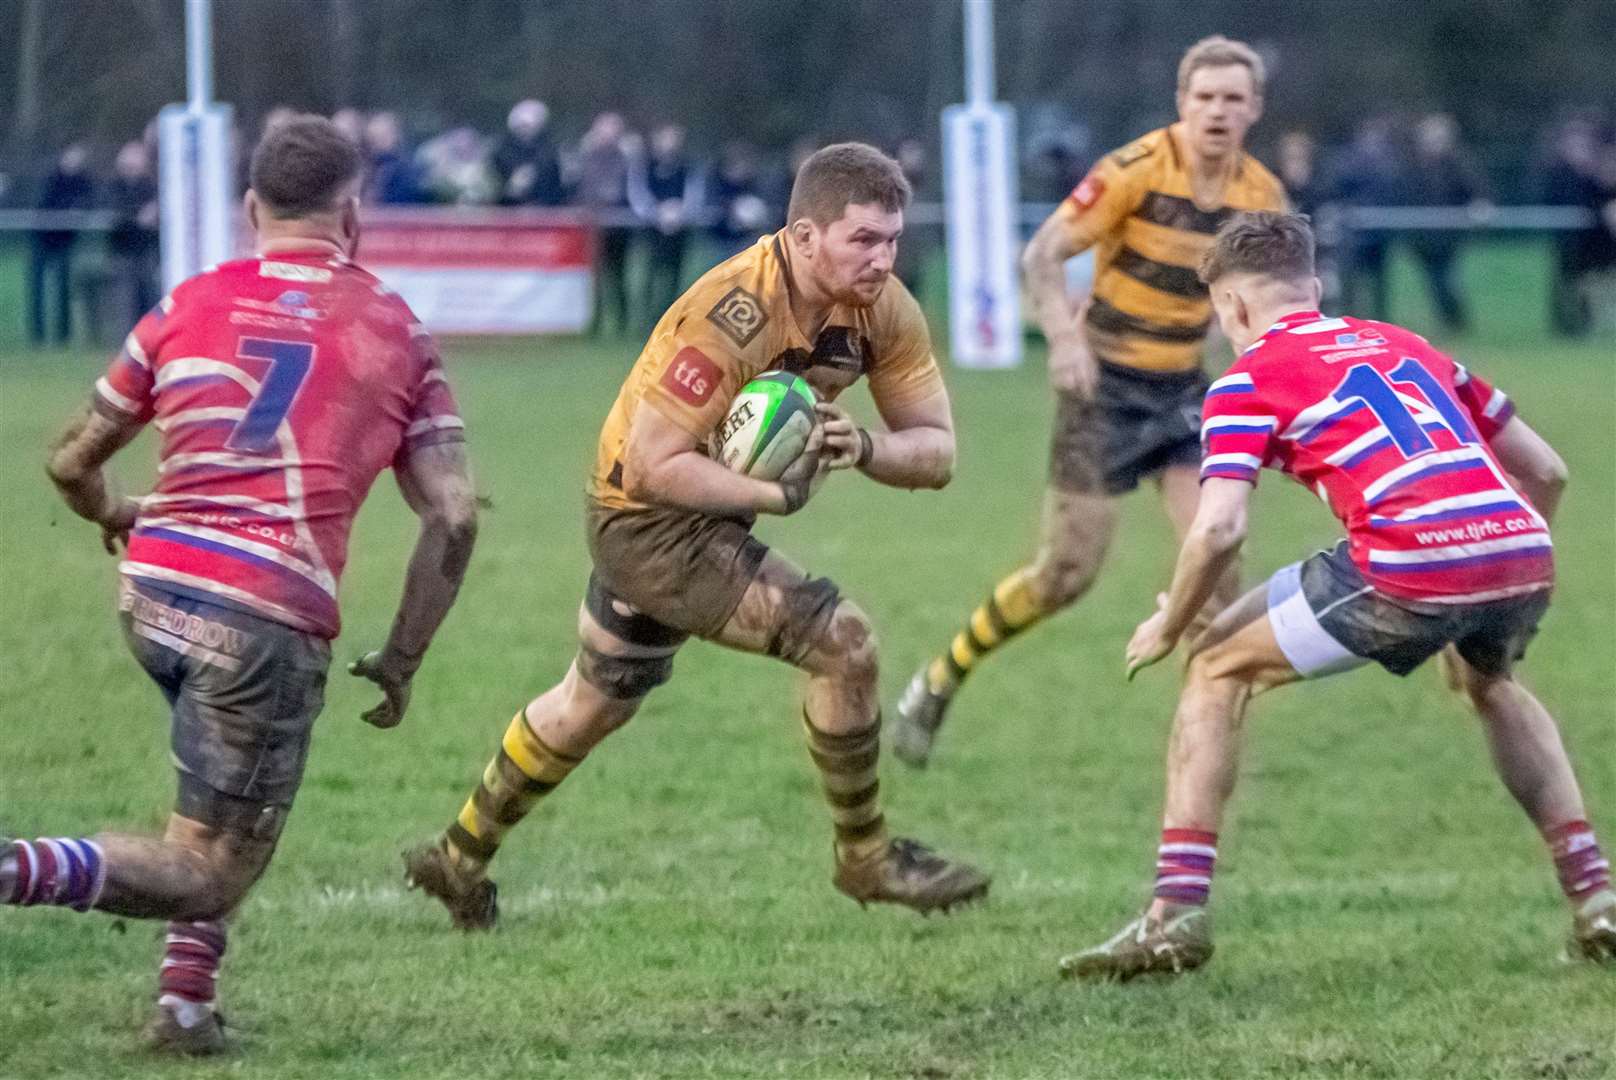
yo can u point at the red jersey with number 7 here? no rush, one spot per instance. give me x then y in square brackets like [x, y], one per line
[281, 386]
[1392, 435]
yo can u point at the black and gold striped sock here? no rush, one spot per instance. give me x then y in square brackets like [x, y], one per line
[523, 772]
[1008, 610]
[847, 771]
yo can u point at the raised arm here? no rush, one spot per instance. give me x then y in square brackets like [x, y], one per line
[75, 466]
[436, 483]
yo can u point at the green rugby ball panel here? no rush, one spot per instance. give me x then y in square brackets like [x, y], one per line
[767, 426]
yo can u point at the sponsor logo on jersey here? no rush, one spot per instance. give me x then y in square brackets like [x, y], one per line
[691, 377]
[294, 272]
[269, 322]
[293, 302]
[1351, 345]
[1088, 192]
[739, 315]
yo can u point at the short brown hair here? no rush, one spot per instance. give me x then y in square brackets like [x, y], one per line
[302, 166]
[1268, 242]
[1219, 51]
[843, 173]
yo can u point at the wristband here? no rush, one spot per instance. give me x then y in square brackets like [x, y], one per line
[866, 449]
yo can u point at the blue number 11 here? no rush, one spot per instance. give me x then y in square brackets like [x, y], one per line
[1364, 383]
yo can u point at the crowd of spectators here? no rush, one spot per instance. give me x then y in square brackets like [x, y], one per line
[667, 212]
[1424, 162]
[127, 285]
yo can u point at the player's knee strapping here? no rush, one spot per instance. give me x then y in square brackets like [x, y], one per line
[1012, 607]
[804, 616]
[623, 677]
[523, 772]
[847, 769]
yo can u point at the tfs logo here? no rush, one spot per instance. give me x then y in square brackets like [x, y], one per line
[691, 377]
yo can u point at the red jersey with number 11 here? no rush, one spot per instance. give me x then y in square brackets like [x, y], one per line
[281, 386]
[1392, 435]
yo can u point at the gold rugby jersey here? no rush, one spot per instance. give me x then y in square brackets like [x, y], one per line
[1148, 309]
[736, 322]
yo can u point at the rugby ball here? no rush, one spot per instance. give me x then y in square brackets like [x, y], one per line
[767, 426]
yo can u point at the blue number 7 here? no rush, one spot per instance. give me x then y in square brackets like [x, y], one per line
[289, 364]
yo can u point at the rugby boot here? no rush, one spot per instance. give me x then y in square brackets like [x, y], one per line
[911, 874]
[920, 714]
[1179, 941]
[472, 900]
[1593, 929]
[164, 1034]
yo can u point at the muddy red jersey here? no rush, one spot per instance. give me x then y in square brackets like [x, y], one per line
[1392, 435]
[280, 387]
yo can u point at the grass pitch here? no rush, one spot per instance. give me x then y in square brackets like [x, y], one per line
[1383, 908]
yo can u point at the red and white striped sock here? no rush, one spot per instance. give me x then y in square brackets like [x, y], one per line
[191, 958]
[1184, 864]
[1582, 869]
[62, 872]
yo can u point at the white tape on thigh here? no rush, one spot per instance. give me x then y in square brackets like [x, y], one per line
[1306, 644]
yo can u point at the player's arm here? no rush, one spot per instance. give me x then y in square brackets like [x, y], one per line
[1210, 548]
[916, 450]
[1537, 468]
[663, 465]
[1043, 266]
[76, 467]
[435, 481]
[1095, 208]
[1525, 455]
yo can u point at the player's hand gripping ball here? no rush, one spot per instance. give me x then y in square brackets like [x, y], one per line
[768, 425]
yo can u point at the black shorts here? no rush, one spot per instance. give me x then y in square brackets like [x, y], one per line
[243, 692]
[1327, 618]
[1140, 423]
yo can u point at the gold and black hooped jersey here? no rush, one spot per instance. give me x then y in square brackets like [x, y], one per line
[1148, 309]
[735, 322]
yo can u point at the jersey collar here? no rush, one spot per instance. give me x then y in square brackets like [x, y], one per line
[1295, 318]
[301, 248]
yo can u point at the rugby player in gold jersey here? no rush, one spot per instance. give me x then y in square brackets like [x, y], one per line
[1126, 365]
[669, 530]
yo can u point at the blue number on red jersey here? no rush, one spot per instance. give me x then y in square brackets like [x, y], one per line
[1363, 383]
[289, 365]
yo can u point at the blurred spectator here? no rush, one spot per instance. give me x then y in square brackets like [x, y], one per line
[1572, 180]
[351, 122]
[275, 117]
[919, 242]
[525, 161]
[777, 185]
[737, 194]
[1369, 174]
[1443, 174]
[456, 168]
[1297, 161]
[68, 187]
[132, 245]
[1601, 283]
[391, 177]
[603, 164]
[667, 193]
